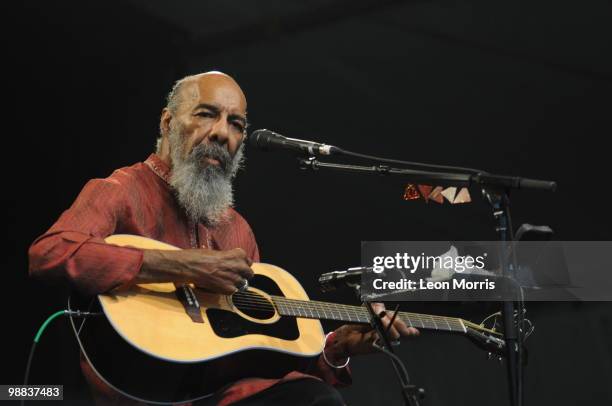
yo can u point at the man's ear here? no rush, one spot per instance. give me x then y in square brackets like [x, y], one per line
[164, 122]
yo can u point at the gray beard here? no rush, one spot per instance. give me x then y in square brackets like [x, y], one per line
[205, 191]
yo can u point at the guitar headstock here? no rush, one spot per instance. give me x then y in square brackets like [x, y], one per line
[485, 338]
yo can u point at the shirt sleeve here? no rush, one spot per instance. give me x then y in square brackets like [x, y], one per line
[73, 250]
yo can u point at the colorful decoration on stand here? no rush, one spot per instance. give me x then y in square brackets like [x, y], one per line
[411, 192]
[463, 196]
[437, 194]
[425, 191]
[449, 193]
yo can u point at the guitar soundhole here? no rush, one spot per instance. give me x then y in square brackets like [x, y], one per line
[253, 305]
[228, 324]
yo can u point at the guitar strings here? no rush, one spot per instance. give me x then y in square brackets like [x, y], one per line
[255, 301]
[341, 308]
[354, 309]
[303, 305]
[421, 321]
[336, 307]
[412, 321]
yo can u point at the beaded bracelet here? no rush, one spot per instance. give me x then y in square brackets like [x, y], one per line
[327, 338]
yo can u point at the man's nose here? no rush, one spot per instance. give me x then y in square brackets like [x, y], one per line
[220, 130]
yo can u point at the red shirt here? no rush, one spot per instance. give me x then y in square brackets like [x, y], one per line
[139, 200]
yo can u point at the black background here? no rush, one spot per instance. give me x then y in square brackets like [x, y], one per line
[520, 88]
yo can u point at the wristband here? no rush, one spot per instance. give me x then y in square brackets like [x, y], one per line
[330, 336]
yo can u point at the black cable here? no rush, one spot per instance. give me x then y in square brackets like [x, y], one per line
[42, 328]
[398, 361]
[27, 370]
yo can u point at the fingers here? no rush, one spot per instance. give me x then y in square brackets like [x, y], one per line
[216, 271]
[403, 329]
[399, 328]
[241, 254]
[378, 308]
[240, 263]
[413, 332]
[231, 277]
[241, 270]
[234, 286]
[224, 287]
[231, 281]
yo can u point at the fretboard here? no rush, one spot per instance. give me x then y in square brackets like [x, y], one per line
[356, 314]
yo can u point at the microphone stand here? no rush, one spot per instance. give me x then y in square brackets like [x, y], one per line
[496, 189]
[511, 310]
[458, 179]
[410, 393]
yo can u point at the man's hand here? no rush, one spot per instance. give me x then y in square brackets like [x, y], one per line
[216, 271]
[359, 339]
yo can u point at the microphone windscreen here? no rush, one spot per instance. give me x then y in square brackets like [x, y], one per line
[260, 138]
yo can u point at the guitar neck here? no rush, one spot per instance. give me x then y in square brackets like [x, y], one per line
[357, 314]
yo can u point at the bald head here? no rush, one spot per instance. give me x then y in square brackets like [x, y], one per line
[190, 87]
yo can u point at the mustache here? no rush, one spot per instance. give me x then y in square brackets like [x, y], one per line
[213, 150]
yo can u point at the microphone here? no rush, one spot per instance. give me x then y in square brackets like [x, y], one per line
[267, 140]
[339, 279]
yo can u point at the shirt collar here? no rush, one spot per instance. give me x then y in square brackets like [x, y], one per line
[158, 166]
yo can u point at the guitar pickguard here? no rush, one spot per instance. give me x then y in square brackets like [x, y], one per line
[228, 324]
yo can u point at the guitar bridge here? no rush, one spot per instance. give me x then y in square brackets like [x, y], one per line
[187, 297]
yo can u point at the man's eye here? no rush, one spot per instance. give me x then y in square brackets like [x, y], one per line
[238, 126]
[204, 114]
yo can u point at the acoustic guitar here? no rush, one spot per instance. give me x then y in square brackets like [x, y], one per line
[161, 342]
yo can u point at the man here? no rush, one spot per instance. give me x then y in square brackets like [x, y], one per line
[182, 195]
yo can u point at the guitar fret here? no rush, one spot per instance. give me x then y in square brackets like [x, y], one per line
[406, 319]
[434, 322]
[449, 327]
[332, 311]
